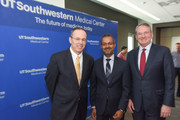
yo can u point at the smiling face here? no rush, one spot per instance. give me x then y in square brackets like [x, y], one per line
[144, 35]
[108, 45]
[78, 40]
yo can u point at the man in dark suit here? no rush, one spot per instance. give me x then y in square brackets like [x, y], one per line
[152, 75]
[67, 84]
[109, 83]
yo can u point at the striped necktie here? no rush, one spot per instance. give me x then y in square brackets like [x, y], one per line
[108, 70]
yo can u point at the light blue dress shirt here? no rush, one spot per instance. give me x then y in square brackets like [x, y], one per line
[176, 59]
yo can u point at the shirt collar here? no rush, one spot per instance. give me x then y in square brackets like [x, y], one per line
[74, 54]
[147, 47]
[112, 57]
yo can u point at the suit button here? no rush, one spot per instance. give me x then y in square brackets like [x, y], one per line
[108, 89]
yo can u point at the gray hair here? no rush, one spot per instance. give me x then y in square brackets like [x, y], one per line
[142, 24]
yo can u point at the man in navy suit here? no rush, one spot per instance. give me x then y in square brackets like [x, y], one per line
[110, 84]
[152, 78]
[68, 88]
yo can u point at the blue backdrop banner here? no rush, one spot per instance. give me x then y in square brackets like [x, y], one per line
[30, 33]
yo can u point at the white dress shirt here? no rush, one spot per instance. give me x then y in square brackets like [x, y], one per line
[74, 56]
[148, 47]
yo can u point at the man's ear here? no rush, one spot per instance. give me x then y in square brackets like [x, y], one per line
[70, 40]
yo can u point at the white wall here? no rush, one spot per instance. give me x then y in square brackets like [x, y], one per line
[58, 3]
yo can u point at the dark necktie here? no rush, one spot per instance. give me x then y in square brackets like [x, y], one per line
[108, 69]
[142, 62]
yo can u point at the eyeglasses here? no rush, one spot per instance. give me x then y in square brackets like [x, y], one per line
[104, 44]
[78, 39]
[145, 33]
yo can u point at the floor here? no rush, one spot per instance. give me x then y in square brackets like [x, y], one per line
[175, 115]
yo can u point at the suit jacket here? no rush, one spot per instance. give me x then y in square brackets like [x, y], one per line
[116, 92]
[63, 85]
[156, 87]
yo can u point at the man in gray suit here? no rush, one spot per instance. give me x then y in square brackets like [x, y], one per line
[152, 78]
[67, 84]
[176, 60]
[110, 83]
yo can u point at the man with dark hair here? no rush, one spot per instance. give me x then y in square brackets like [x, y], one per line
[176, 60]
[152, 78]
[110, 84]
[122, 53]
[67, 76]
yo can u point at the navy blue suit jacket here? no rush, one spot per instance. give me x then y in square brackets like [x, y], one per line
[117, 91]
[156, 87]
[63, 85]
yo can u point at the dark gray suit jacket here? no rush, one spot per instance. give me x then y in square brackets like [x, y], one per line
[63, 85]
[117, 91]
[156, 87]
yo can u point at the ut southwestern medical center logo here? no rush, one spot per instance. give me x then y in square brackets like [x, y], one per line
[36, 102]
[2, 57]
[2, 94]
[93, 42]
[33, 71]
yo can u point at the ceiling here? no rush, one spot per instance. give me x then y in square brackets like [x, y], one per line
[162, 11]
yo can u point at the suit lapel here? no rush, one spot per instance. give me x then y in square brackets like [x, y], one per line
[71, 66]
[136, 60]
[150, 58]
[84, 68]
[115, 67]
[101, 68]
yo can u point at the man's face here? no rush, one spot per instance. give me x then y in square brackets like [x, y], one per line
[107, 46]
[143, 35]
[78, 41]
[125, 50]
[178, 47]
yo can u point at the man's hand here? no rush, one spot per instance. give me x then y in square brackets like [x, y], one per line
[93, 113]
[118, 115]
[165, 111]
[131, 106]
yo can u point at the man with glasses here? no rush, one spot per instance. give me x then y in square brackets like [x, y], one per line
[152, 78]
[67, 76]
[109, 84]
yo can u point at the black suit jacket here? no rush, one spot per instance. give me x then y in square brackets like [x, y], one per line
[117, 91]
[156, 87]
[63, 85]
